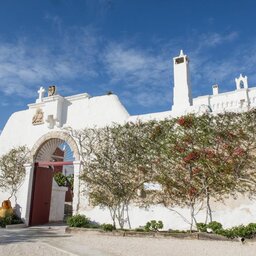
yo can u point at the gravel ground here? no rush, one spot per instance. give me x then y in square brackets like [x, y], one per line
[53, 242]
[37, 248]
[88, 244]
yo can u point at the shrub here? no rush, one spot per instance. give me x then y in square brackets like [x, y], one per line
[214, 225]
[248, 231]
[154, 225]
[140, 229]
[107, 227]
[251, 227]
[79, 221]
[70, 181]
[202, 227]
[60, 179]
[225, 232]
[8, 220]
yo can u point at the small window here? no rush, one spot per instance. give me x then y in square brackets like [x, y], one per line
[241, 84]
[179, 60]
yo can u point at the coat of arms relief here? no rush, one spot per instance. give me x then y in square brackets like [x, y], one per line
[38, 118]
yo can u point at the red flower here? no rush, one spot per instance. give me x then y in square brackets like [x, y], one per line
[181, 121]
[191, 157]
[209, 153]
[179, 149]
[192, 191]
[230, 135]
[238, 151]
[196, 170]
[185, 121]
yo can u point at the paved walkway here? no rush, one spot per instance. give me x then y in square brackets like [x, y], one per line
[52, 241]
[43, 240]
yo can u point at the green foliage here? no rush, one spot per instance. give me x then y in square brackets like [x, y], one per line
[12, 171]
[12, 219]
[248, 231]
[140, 229]
[202, 227]
[177, 231]
[107, 227]
[115, 167]
[194, 159]
[63, 180]
[200, 157]
[154, 225]
[215, 226]
[70, 181]
[60, 179]
[79, 221]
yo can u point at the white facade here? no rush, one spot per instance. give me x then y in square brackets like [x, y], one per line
[48, 117]
[182, 98]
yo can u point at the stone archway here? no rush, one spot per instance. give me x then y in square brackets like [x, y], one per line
[60, 135]
[42, 151]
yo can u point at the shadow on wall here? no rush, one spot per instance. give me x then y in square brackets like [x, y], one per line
[17, 210]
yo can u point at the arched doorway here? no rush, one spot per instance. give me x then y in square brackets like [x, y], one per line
[54, 153]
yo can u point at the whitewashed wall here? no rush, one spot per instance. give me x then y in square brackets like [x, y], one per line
[230, 213]
[78, 111]
[81, 111]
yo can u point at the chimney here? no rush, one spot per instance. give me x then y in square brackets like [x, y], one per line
[182, 98]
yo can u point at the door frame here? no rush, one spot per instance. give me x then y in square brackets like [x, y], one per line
[42, 164]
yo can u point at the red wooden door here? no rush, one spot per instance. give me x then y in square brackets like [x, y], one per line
[41, 195]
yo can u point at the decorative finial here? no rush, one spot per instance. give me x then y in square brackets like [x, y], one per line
[41, 92]
[181, 53]
[52, 90]
[241, 82]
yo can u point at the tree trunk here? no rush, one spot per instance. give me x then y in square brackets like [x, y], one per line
[209, 210]
[192, 217]
[120, 215]
[113, 216]
[128, 217]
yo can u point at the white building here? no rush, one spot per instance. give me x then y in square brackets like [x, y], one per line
[41, 128]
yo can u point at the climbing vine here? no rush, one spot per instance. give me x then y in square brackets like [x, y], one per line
[12, 170]
[194, 159]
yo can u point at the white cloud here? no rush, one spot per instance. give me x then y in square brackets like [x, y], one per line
[212, 40]
[220, 61]
[142, 75]
[134, 66]
[24, 66]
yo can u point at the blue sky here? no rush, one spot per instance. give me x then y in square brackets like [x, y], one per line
[124, 46]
